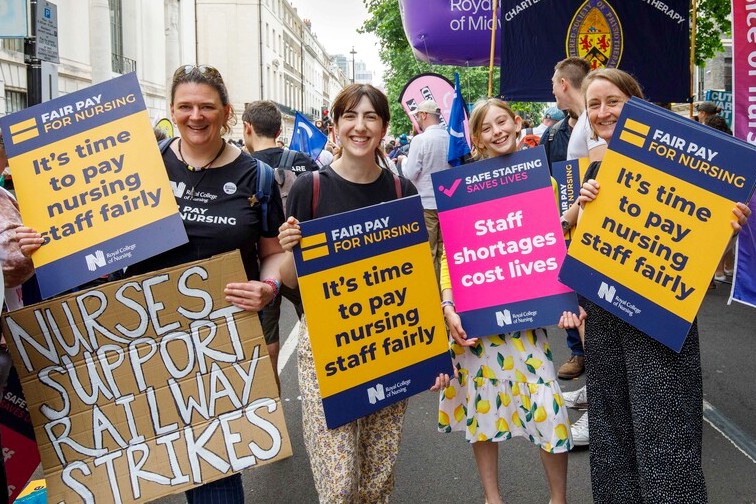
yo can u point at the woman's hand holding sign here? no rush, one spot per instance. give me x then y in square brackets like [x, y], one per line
[570, 320]
[588, 192]
[289, 234]
[29, 240]
[742, 212]
[454, 322]
[251, 295]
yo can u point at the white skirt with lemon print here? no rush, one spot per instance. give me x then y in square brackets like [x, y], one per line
[506, 387]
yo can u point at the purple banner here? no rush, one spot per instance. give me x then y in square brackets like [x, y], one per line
[451, 32]
[744, 77]
[744, 95]
[744, 279]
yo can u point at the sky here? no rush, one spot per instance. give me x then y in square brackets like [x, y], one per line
[336, 24]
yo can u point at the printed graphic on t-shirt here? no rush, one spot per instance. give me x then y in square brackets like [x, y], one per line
[197, 214]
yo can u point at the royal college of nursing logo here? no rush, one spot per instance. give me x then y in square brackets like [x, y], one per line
[595, 34]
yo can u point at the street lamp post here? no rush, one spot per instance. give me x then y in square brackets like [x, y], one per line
[352, 52]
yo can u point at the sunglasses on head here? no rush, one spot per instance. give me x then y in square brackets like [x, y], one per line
[206, 70]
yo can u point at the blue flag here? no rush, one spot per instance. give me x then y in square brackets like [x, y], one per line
[307, 137]
[458, 146]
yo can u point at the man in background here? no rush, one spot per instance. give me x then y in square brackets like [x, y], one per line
[428, 154]
[551, 116]
[567, 85]
[262, 125]
[705, 110]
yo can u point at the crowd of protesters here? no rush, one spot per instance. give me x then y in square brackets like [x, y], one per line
[644, 400]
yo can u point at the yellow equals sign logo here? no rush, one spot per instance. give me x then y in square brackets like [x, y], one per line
[634, 133]
[314, 246]
[23, 131]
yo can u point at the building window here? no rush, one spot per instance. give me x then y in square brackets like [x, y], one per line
[13, 45]
[119, 63]
[116, 27]
[14, 101]
[728, 74]
[701, 83]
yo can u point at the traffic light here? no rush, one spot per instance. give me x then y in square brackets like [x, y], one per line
[325, 121]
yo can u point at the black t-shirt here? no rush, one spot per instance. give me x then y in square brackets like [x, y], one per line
[339, 195]
[217, 213]
[302, 162]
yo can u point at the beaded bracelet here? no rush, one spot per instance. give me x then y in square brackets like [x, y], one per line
[276, 284]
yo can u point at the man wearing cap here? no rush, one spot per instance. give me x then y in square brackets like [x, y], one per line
[551, 116]
[706, 109]
[428, 154]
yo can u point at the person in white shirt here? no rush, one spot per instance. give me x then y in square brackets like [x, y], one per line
[428, 154]
[567, 87]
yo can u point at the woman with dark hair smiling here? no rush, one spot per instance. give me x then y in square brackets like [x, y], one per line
[353, 463]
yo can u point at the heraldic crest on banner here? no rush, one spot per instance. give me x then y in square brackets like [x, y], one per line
[595, 34]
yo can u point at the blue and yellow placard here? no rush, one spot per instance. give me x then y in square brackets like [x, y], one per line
[647, 247]
[569, 177]
[89, 177]
[373, 308]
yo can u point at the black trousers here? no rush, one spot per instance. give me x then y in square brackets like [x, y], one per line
[645, 415]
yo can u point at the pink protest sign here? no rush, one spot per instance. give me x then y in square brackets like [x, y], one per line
[504, 243]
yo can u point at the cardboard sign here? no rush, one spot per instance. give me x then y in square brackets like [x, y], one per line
[373, 309]
[503, 243]
[89, 177]
[647, 247]
[148, 386]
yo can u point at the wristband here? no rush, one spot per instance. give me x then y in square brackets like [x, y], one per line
[276, 284]
[446, 303]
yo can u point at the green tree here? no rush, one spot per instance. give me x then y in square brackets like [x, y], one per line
[401, 65]
[712, 23]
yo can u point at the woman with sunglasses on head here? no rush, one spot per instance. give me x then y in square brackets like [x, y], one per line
[353, 463]
[206, 164]
[645, 400]
[505, 385]
[219, 183]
